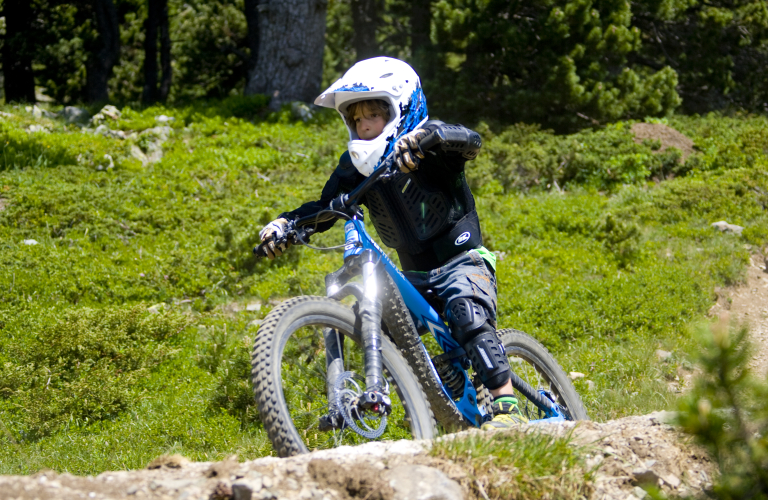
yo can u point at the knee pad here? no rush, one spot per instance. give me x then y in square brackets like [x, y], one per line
[470, 327]
[466, 319]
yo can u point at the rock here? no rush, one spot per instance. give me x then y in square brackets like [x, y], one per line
[645, 476]
[663, 355]
[241, 491]
[6, 115]
[157, 308]
[639, 492]
[108, 112]
[154, 145]
[137, 153]
[108, 132]
[576, 375]
[727, 228]
[169, 461]
[72, 114]
[256, 322]
[671, 480]
[301, 111]
[419, 482]
[37, 128]
[36, 112]
[662, 417]
[254, 306]
[164, 119]
[111, 163]
[590, 385]
[222, 491]
[30, 242]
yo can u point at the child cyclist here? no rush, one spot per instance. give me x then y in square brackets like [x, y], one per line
[427, 213]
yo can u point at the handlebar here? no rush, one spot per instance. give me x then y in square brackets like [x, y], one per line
[344, 202]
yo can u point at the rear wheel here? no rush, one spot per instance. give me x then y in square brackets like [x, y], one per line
[531, 361]
[289, 377]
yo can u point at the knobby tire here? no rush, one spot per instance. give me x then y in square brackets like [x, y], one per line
[266, 361]
[550, 375]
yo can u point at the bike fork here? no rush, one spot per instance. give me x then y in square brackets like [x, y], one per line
[375, 396]
[370, 315]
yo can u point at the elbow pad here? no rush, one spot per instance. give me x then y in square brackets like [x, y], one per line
[453, 139]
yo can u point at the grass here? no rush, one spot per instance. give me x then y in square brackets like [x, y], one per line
[517, 465]
[603, 273]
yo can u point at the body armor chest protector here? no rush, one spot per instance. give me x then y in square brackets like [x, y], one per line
[408, 214]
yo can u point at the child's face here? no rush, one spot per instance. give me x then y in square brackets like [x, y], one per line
[369, 124]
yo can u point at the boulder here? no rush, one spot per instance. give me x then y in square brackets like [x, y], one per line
[725, 227]
[73, 114]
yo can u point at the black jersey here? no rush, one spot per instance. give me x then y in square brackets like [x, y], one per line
[427, 215]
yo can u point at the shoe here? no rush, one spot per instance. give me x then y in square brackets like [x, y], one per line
[506, 414]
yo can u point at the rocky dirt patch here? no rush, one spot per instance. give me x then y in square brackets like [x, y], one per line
[667, 136]
[625, 455]
[748, 303]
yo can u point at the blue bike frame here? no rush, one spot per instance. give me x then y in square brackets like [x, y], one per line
[357, 241]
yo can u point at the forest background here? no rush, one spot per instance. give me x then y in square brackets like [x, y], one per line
[565, 64]
[129, 298]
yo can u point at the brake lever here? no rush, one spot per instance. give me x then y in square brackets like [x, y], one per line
[297, 236]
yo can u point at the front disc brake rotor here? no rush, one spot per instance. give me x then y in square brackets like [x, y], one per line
[348, 389]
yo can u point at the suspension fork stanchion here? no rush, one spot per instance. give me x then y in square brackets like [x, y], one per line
[334, 360]
[370, 313]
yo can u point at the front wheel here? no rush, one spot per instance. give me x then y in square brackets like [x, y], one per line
[531, 361]
[291, 382]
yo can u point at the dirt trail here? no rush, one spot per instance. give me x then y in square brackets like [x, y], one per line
[624, 454]
[749, 303]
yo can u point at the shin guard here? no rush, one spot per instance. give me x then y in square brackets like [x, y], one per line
[470, 328]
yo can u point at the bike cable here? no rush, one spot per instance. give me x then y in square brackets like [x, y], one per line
[339, 214]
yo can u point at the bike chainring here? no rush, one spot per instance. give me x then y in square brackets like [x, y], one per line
[348, 390]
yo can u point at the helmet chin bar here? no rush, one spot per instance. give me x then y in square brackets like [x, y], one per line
[366, 154]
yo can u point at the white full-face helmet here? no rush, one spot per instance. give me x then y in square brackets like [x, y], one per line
[390, 80]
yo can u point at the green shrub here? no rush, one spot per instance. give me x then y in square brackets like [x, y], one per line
[728, 413]
[81, 367]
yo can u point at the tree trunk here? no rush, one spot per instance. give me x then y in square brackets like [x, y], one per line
[106, 53]
[19, 81]
[421, 20]
[165, 52]
[290, 54]
[157, 21]
[252, 19]
[364, 21]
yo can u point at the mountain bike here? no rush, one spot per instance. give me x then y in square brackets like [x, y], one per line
[352, 367]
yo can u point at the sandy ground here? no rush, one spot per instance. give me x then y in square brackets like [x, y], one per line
[748, 304]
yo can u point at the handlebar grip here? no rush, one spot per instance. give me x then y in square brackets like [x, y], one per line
[258, 251]
[432, 140]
